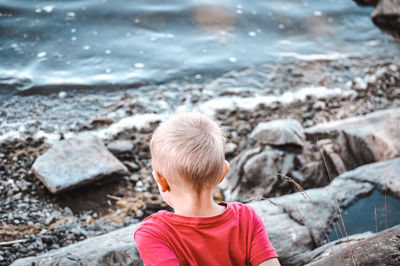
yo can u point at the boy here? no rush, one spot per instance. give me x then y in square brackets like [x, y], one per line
[188, 159]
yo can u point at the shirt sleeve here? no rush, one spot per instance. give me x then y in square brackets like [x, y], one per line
[153, 249]
[261, 248]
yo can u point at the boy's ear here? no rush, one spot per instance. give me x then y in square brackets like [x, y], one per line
[161, 180]
[225, 171]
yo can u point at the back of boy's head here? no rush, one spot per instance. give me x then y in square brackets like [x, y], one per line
[192, 146]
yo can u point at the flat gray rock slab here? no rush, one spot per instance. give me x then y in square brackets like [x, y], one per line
[279, 132]
[382, 248]
[76, 161]
[115, 248]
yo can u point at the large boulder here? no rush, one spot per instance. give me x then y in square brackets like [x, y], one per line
[362, 139]
[386, 17]
[76, 161]
[299, 222]
[254, 173]
[279, 132]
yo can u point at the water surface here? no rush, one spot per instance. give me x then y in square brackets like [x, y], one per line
[61, 45]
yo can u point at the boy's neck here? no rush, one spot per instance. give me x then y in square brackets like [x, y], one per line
[202, 205]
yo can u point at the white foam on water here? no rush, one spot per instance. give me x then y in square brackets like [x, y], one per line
[234, 102]
[141, 121]
[314, 57]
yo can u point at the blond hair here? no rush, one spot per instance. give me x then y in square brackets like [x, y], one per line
[192, 146]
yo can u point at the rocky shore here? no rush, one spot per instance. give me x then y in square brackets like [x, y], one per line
[301, 98]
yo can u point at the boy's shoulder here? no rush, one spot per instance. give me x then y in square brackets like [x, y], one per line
[159, 219]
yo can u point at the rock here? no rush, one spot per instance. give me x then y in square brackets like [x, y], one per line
[297, 222]
[313, 175]
[279, 132]
[230, 148]
[296, 225]
[333, 158]
[132, 166]
[120, 146]
[101, 121]
[367, 2]
[115, 248]
[386, 17]
[363, 139]
[326, 250]
[74, 162]
[254, 173]
[382, 248]
[384, 175]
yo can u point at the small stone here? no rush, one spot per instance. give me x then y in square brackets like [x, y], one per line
[131, 166]
[62, 94]
[119, 146]
[231, 148]
[139, 213]
[134, 177]
[319, 105]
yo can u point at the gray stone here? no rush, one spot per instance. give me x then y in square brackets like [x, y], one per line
[297, 223]
[254, 173]
[119, 146]
[279, 132]
[382, 248]
[386, 17]
[364, 139]
[328, 249]
[76, 161]
[385, 175]
[115, 248]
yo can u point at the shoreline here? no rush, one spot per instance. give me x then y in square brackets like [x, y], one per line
[55, 221]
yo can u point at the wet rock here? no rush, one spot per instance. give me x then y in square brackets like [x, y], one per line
[120, 146]
[378, 249]
[74, 162]
[279, 132]
[363, 139]
[386, 17]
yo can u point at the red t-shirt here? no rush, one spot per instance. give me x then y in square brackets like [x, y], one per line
[235, 237]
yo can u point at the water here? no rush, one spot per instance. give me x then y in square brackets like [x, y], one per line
[48, 46]
[360, 217]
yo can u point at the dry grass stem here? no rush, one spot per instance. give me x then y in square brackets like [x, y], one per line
[339, 211]
[307, 198]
